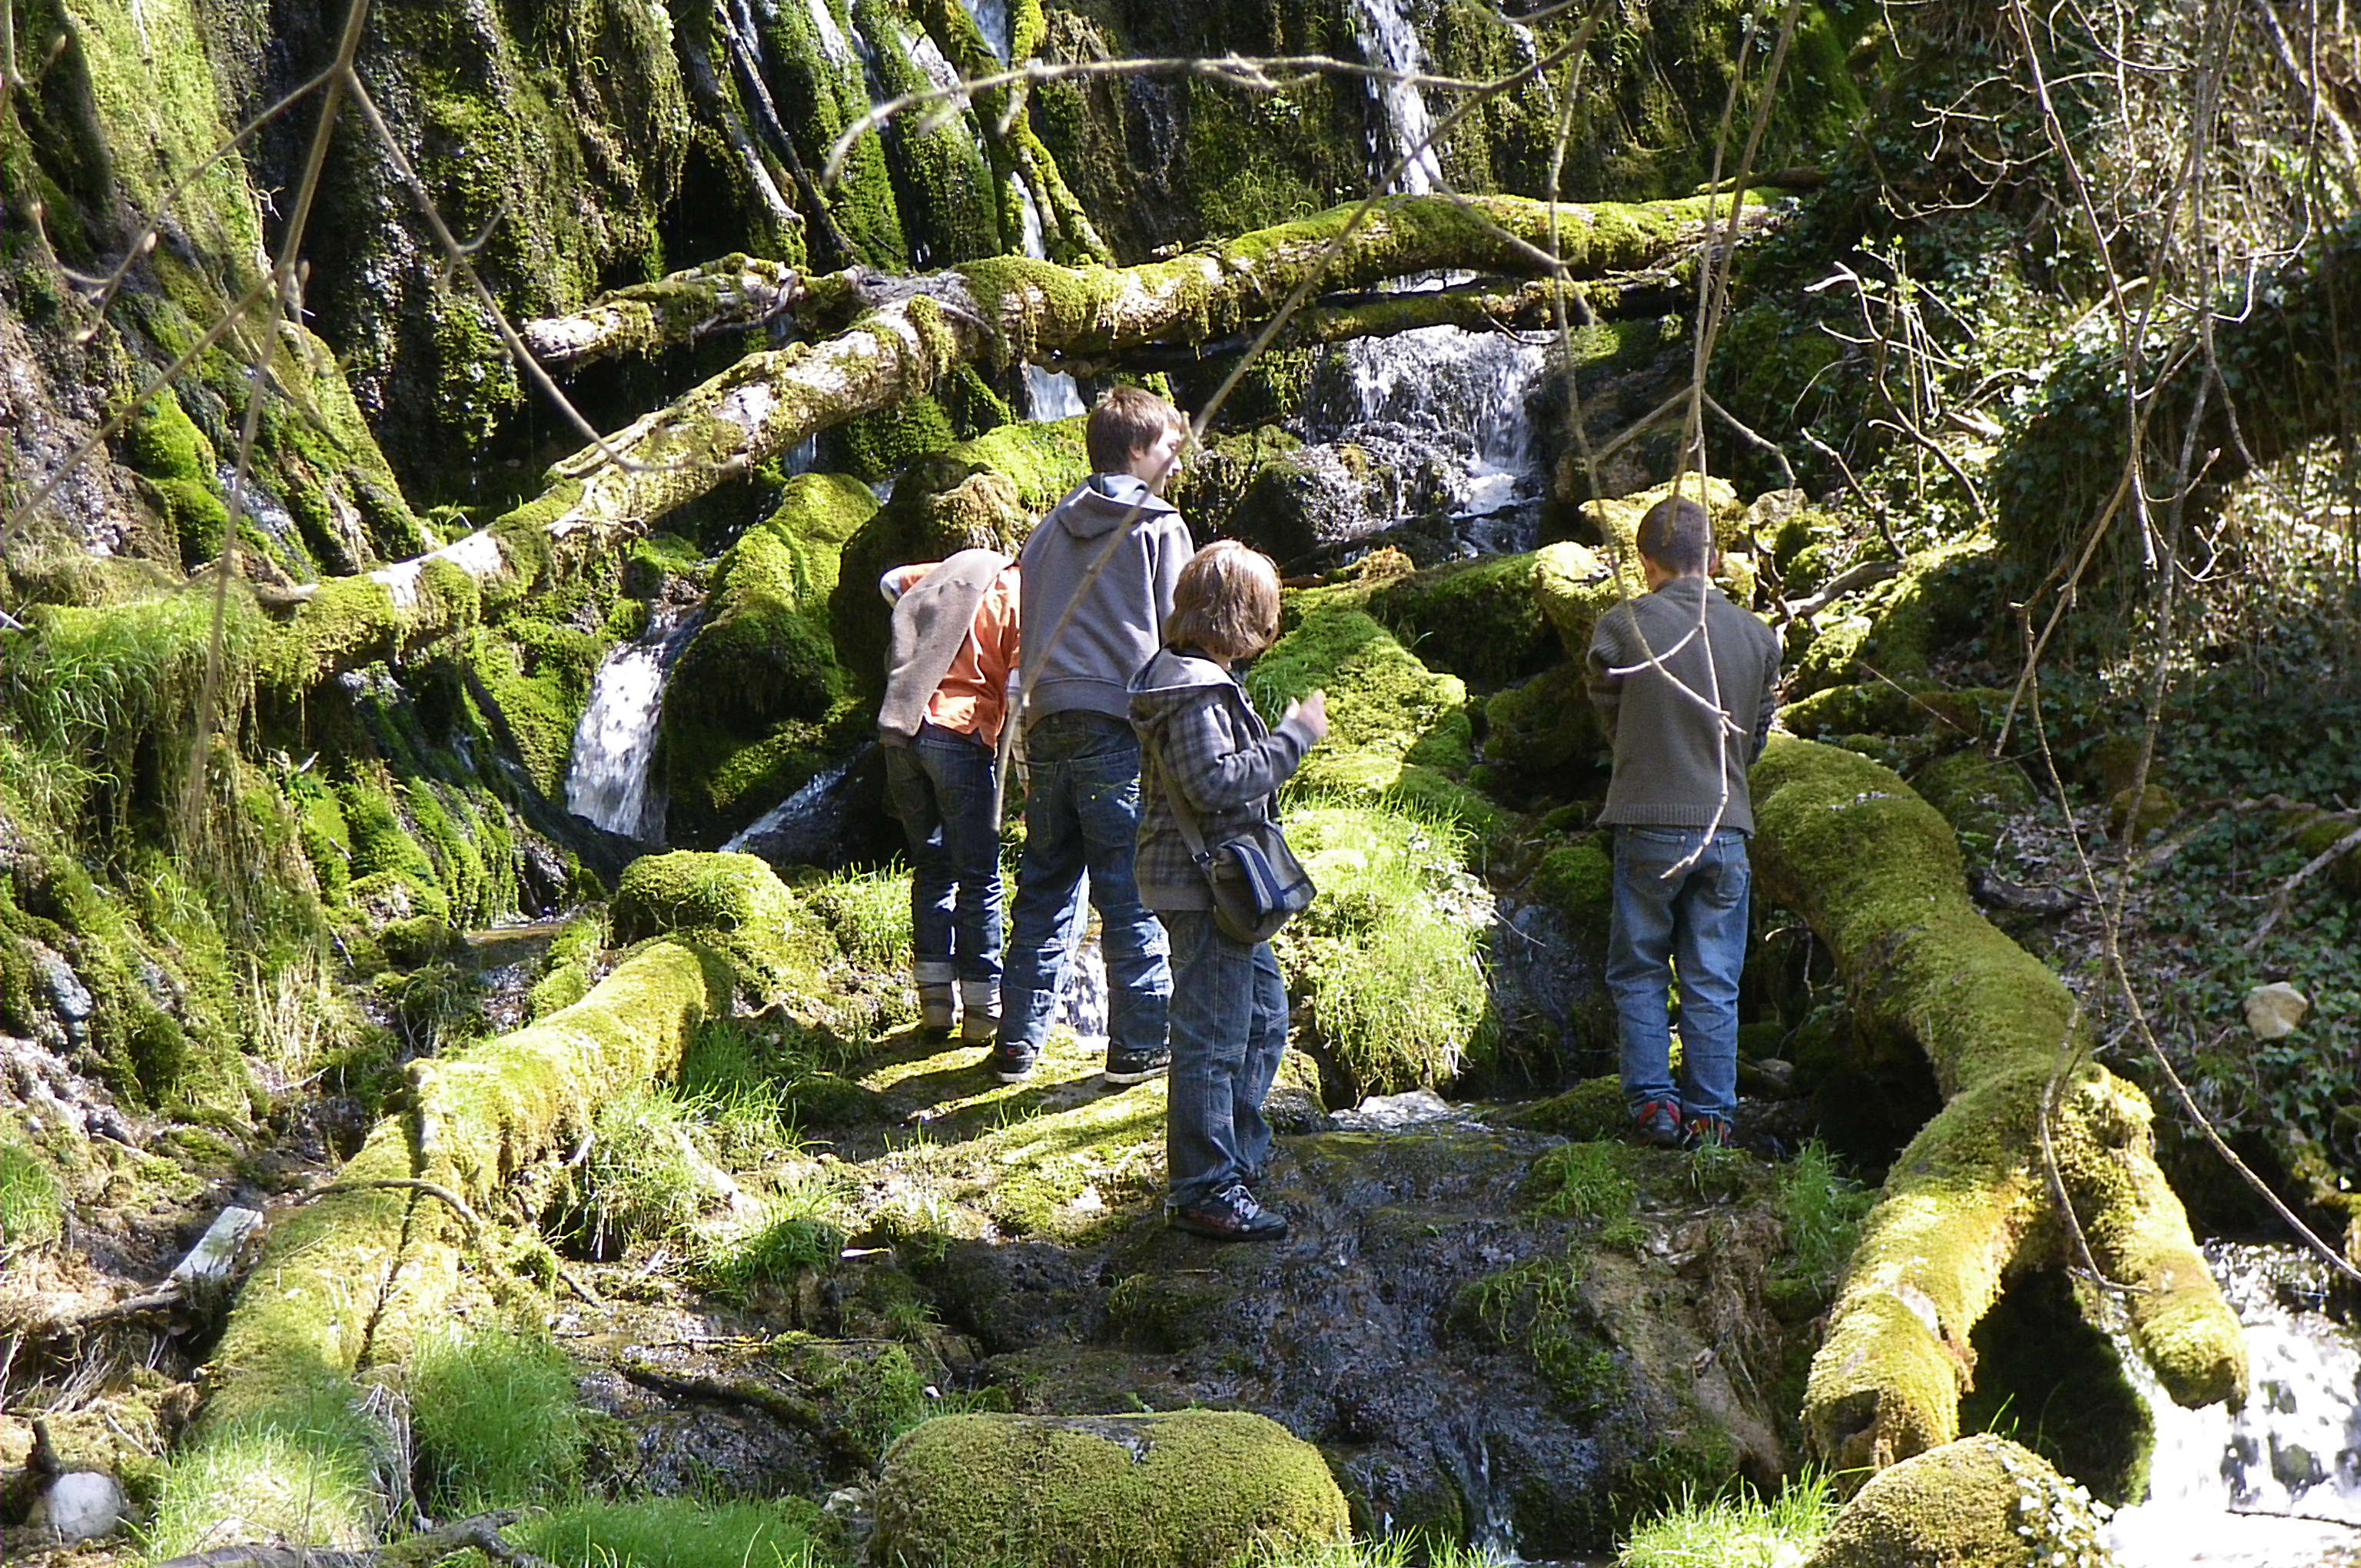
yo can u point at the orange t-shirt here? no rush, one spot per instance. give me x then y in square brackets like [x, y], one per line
[973, 696]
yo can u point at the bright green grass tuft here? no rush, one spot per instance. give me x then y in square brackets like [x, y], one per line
[869, 912]
[1588, 1181]
[796, 1230]
[1824, 1209]
[646, 1179]
[675, 1533]
[1736, 1531]
[496, 1417]
[32, 1200]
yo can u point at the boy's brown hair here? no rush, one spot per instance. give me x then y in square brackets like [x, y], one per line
[1678, 535]
[1225, 602]
[1126, 422]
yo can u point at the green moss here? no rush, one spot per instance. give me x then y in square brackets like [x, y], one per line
[1591, 1111]
[32, 1200]
[1977, 794]
[1182, 1489]
[1539, 1306]
[1381, 699]
[1978, 1501]
[1578, 879]
[1575, 586]
[1477, 619]
[495, 1417]
[1544, 737]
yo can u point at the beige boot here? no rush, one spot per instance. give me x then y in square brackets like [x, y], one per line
[979, 1011]
[936, 1003]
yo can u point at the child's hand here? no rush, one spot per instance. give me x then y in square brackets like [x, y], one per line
[1313, 711]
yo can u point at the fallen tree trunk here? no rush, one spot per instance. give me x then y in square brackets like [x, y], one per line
[736, 293]
[281, 1449]
[1971, 1203]
[916, 332]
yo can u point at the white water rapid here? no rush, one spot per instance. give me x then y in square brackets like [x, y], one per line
[1389, 42]
[2277, 1484]
[607, 778]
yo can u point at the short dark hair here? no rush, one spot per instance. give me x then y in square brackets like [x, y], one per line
[1225, 603]
[1127, 421]
[1677, 535]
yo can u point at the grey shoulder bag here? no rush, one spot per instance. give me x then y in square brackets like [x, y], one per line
[1258, 883]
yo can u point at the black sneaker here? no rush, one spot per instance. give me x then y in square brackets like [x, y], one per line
[1137, 1067]
[1230, 1215]
[1011, 1063]
[1657, 1123]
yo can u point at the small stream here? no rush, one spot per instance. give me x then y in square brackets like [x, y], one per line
[2277, 1484]
[608, 777]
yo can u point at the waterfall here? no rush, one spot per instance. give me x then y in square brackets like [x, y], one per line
[2277, 1484]
[1444, 402]
[992, 21]
[1389, 42]
[607, 777]
[1049, 394]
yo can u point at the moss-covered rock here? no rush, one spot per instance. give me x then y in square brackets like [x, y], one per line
[1977, 794]
[1578, 878]
[1381, 699]
[1543, 738]
[1476, 618]
[1981, 1502]
[687, 891]
[1575, 586]
[1178, 1490]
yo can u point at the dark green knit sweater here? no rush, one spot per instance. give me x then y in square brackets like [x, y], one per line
[1687, 683]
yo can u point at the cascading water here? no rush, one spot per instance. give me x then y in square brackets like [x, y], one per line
[1049, 394]
[1389, 42]
[992, 21]
[2277, 1484]
[607, 779]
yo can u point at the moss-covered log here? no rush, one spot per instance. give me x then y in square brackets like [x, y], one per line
[1969, 1203]
[350, 1280]
[736, 293]
[2287, 359]
[1000, 309]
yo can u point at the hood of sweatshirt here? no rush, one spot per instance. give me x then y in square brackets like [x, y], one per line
[1103, 500]
[1171, 679]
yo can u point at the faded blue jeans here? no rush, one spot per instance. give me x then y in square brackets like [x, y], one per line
[1229, 1029]
[1692, 921]
[940, 787]
[1082, 819]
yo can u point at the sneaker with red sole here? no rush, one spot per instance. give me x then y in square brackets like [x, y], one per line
[1230, 1215]
[1657, 1123]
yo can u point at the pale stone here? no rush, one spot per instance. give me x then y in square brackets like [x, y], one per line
[80, 1504]
[2274, 1010]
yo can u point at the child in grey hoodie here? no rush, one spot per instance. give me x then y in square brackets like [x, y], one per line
[1098, 576]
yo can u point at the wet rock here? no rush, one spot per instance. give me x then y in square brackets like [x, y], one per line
[1366, 1331]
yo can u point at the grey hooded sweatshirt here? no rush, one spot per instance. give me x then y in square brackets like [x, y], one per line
[1117, 625]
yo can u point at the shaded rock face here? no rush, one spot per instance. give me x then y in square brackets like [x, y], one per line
[1371, 1331]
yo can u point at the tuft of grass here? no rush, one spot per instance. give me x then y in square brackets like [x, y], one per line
[32, 1200]
[795, 1231]
[645, 1179]
[497, 1419]
[1736, 1530]
[1823, 1209]
[1391, 951]
[1588, 1181]
[869, 912]
[301, 1477]
[1407, 1551]
[675, 1533]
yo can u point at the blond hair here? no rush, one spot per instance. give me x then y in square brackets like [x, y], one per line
[1125, 423]
[1227, 602]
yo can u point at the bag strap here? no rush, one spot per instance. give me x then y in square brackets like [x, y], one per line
[1184, 816]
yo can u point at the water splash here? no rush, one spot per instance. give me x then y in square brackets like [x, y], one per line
[1049, 394]
[1082, 1004]
[607, 779]
[2277, 1484]
[1390, 42]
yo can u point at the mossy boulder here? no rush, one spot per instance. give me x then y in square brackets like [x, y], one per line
[1177, 1490]
[951, 500]
[1981, 1502]
[689, 890]
[1896, 628]
[1476, 618]
[1575, 586]
[1946, 715]
[1544, 738]
[2133, 814]
[1617, 520]
[1380, 698]
[1579, 879]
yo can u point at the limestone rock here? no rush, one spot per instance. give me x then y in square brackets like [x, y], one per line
[1981, 1502]
[1145, 1491]
[82, 1505]
[2276, 1011]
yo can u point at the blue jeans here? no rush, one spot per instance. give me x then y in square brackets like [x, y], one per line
[1082, 818]
[1229, 1029]
[1692, 919]
[940, 787]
